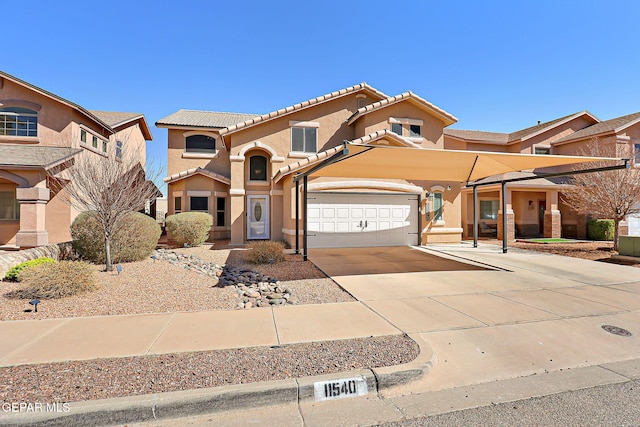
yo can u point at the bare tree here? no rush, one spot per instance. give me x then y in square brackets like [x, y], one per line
[609, 194]
[105, 188]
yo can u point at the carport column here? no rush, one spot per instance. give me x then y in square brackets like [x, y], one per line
[505, 206]
[33, 204]
[475, 216]
[304, 215]
[297, 216]
[552, 216]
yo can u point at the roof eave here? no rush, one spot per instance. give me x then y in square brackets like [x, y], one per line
[560, 123]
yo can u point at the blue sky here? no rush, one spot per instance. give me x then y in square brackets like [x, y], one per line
[496, 65]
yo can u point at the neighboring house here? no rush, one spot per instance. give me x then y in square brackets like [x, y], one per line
[41, 134]
[239, 168]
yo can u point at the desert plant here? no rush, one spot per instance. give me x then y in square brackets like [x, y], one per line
[601, 229]
[14, 272]
[56, 280]
[266, 252]
[190, 228]
[134, 238]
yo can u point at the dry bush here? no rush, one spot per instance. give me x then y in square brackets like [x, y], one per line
[135, 237]
[190, 228]
[56, 280]
[14, 272]
[266, 252]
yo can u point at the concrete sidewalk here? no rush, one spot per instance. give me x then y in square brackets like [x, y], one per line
[55, 340]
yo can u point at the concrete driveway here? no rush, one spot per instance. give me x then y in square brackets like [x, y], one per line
[491, 316]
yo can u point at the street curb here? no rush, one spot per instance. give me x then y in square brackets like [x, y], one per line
[125, 410]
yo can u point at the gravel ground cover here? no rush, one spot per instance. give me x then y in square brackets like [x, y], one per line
[118, 377]
[158, 287]
[596, 251]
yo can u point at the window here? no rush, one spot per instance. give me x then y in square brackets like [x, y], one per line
[104, 146]
[118, 149]
[83, 136]
[9, 207]
[199, 204]
[200, 144]
[396, 128]
[94, 142]
[17, 121]
[541, 150]
[177, 205]
[489, 209]
[258, 168]
[304, 139]
[220, 211]
[415, 131]
[636, 154]
[437, 206]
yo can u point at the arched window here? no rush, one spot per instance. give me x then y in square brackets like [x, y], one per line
[18, 121]
[200, 144]
[258, 168]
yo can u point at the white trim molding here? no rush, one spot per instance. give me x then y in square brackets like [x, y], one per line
[186, 155]
[406, 121]
[299, 124]
[257, 144]
[177, 193]
[198, 193]
[237, 192]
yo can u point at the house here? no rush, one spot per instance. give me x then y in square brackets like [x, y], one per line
[41, 135]
[239, 168]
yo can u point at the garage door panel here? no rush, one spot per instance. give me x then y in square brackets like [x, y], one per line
[353, 220]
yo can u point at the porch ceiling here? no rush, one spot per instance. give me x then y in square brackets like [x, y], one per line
[365, 161]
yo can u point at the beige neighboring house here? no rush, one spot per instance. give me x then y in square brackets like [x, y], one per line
[42, 133]
[239, 168]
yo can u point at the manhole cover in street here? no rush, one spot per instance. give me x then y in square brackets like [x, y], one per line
[616, 330]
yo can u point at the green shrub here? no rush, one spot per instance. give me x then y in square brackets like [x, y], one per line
[191, 228]
[56, 280]
[601, 229]
[135, 237]
[266, 252]
[14, 272]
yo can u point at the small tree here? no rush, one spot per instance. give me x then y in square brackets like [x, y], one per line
[609, 194]
[105, 188]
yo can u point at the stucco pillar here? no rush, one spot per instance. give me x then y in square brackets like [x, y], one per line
[237, 195]
[33, 203]
[511, 224]
[552, 216]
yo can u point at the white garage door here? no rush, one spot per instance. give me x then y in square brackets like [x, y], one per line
[342, 220]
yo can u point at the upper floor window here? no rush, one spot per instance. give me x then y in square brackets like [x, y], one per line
[200, 144]
[304, 139]
[257, 168]
[94, 142]
[542, 150]
[411, 128]
[119, 147]
[18, 121]
[83, 136]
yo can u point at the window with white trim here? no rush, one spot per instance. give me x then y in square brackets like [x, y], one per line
[18, 121]
[200, 144]
[542, 150]
[83, 136]
[407, 127]
[177, 204]
[437, 206]
[119, 147]
[304, 139]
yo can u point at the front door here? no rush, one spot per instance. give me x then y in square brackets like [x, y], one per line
[257, 217]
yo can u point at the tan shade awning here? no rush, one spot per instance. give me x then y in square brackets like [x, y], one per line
[366, 161]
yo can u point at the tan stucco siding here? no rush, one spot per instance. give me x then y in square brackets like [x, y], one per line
[432, 128]
[179, 161]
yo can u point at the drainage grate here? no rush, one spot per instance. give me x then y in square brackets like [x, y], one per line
[616, 330]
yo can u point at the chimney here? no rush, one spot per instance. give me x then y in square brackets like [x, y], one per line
[539, 122]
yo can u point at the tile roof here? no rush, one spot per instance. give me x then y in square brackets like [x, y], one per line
[116, 118]
[533, 130]
[478, 135]
[506, 138]
[385, 133]
[296, 107]
[447, 118]
[204, 119]
[34, 156]
[73, 105]
[602, 127]
[306, 162]
[189, 172]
